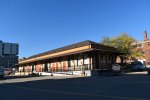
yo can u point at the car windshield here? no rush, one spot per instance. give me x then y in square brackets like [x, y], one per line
[139, 63]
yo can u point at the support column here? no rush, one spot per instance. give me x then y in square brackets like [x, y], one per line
[113, 57]
[96, 60]
[90, 61]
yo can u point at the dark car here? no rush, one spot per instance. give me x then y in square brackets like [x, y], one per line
[137, 66]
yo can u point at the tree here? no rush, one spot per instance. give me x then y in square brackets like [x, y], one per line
[125, 44]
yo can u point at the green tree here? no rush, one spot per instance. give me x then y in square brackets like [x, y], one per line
[125, 44]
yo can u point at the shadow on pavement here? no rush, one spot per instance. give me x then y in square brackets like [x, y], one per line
[89, 88]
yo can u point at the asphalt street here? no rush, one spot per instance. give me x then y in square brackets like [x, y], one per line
[124, 87]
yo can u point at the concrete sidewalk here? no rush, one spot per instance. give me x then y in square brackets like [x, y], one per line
[143, 72]
[25, 78]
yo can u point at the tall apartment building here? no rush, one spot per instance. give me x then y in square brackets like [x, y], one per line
[8, 54]
[145, 47]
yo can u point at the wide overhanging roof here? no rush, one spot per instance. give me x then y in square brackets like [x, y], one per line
[80, 47]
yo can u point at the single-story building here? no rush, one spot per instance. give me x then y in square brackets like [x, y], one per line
[86, 55]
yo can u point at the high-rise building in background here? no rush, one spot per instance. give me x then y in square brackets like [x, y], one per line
[8, 54]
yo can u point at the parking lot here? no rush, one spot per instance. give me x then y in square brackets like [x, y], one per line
[132, 86]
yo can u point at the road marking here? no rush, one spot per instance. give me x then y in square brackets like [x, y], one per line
[81, 94]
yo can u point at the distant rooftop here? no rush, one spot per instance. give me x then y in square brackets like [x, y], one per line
[7, 42]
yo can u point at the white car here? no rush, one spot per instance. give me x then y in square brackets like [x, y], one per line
[148, 66]
[116, 67]
[1, 71]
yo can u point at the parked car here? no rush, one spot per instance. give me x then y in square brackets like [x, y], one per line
[1, 71]
[137, 66]
[116, 69]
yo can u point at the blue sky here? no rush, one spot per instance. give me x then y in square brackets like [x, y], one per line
[42, 25]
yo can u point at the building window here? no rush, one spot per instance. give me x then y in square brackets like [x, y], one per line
[148, 43]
